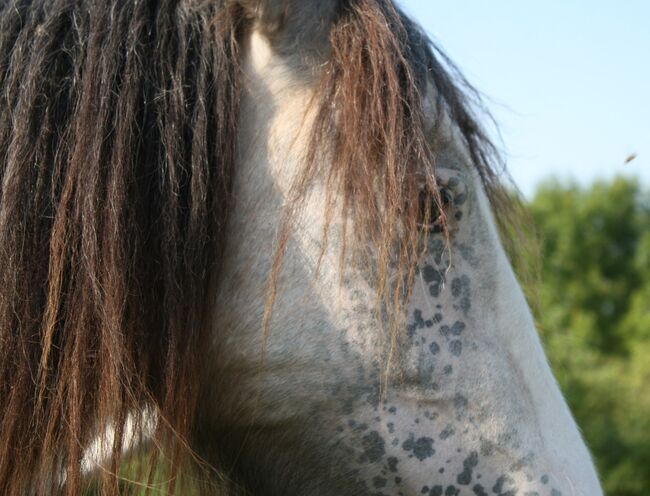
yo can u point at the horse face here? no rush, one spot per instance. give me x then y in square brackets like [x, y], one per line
[329, 401]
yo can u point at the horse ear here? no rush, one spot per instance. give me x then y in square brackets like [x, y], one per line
[301, 21]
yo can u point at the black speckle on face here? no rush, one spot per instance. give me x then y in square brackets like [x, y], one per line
[555, 492]
[545, 479]
[456, 347]
[465, 478]
[448, 369]
[373, 446]
[429, 273]
[501, 487]
[419, 321]
[435, 280]
[379, 482]
[422, 448]
[391, 427]
[460, 402]
[458, 328]
[436, 491]
[452, 491]
[479, 490]
[434, 348]
[460, 289]
[447, 432]
[392, 464]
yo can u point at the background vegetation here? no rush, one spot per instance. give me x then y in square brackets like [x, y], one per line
[592, 303]
[593, 312]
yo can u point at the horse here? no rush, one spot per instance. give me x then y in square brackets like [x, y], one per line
[266, 238]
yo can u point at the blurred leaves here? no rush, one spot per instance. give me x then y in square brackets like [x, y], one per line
[594, 316]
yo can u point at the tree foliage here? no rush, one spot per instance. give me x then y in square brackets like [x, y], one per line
[594, 316]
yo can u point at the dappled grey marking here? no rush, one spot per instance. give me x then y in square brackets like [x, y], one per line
[437, 249]
[379, 482]
[469, 464]
[460, 402]
[418, 322]
[422, 448]
[460, 199]
[456, 347]
[373, 446]
[460, 289]
[501, 487]
[434, 278]
[447, 432]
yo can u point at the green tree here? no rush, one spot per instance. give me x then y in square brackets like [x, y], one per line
[594, 314]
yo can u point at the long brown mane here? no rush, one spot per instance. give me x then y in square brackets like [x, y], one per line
[118, 124]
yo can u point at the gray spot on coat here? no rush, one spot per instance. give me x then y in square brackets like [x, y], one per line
[501, 489]
[373, 446]
[447, 432]
[465, 478]
[422, 448]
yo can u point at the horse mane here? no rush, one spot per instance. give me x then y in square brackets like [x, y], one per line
[118, 125]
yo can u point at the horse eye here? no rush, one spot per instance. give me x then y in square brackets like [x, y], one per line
[429, 213]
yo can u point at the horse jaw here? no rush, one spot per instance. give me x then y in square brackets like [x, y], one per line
[471, 406]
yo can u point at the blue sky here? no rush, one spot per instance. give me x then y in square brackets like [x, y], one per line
[568, 81]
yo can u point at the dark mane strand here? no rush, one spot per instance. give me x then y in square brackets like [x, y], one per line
[118, 124]
[117, 138]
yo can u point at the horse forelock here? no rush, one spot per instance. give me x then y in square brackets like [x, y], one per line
[118, 128]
